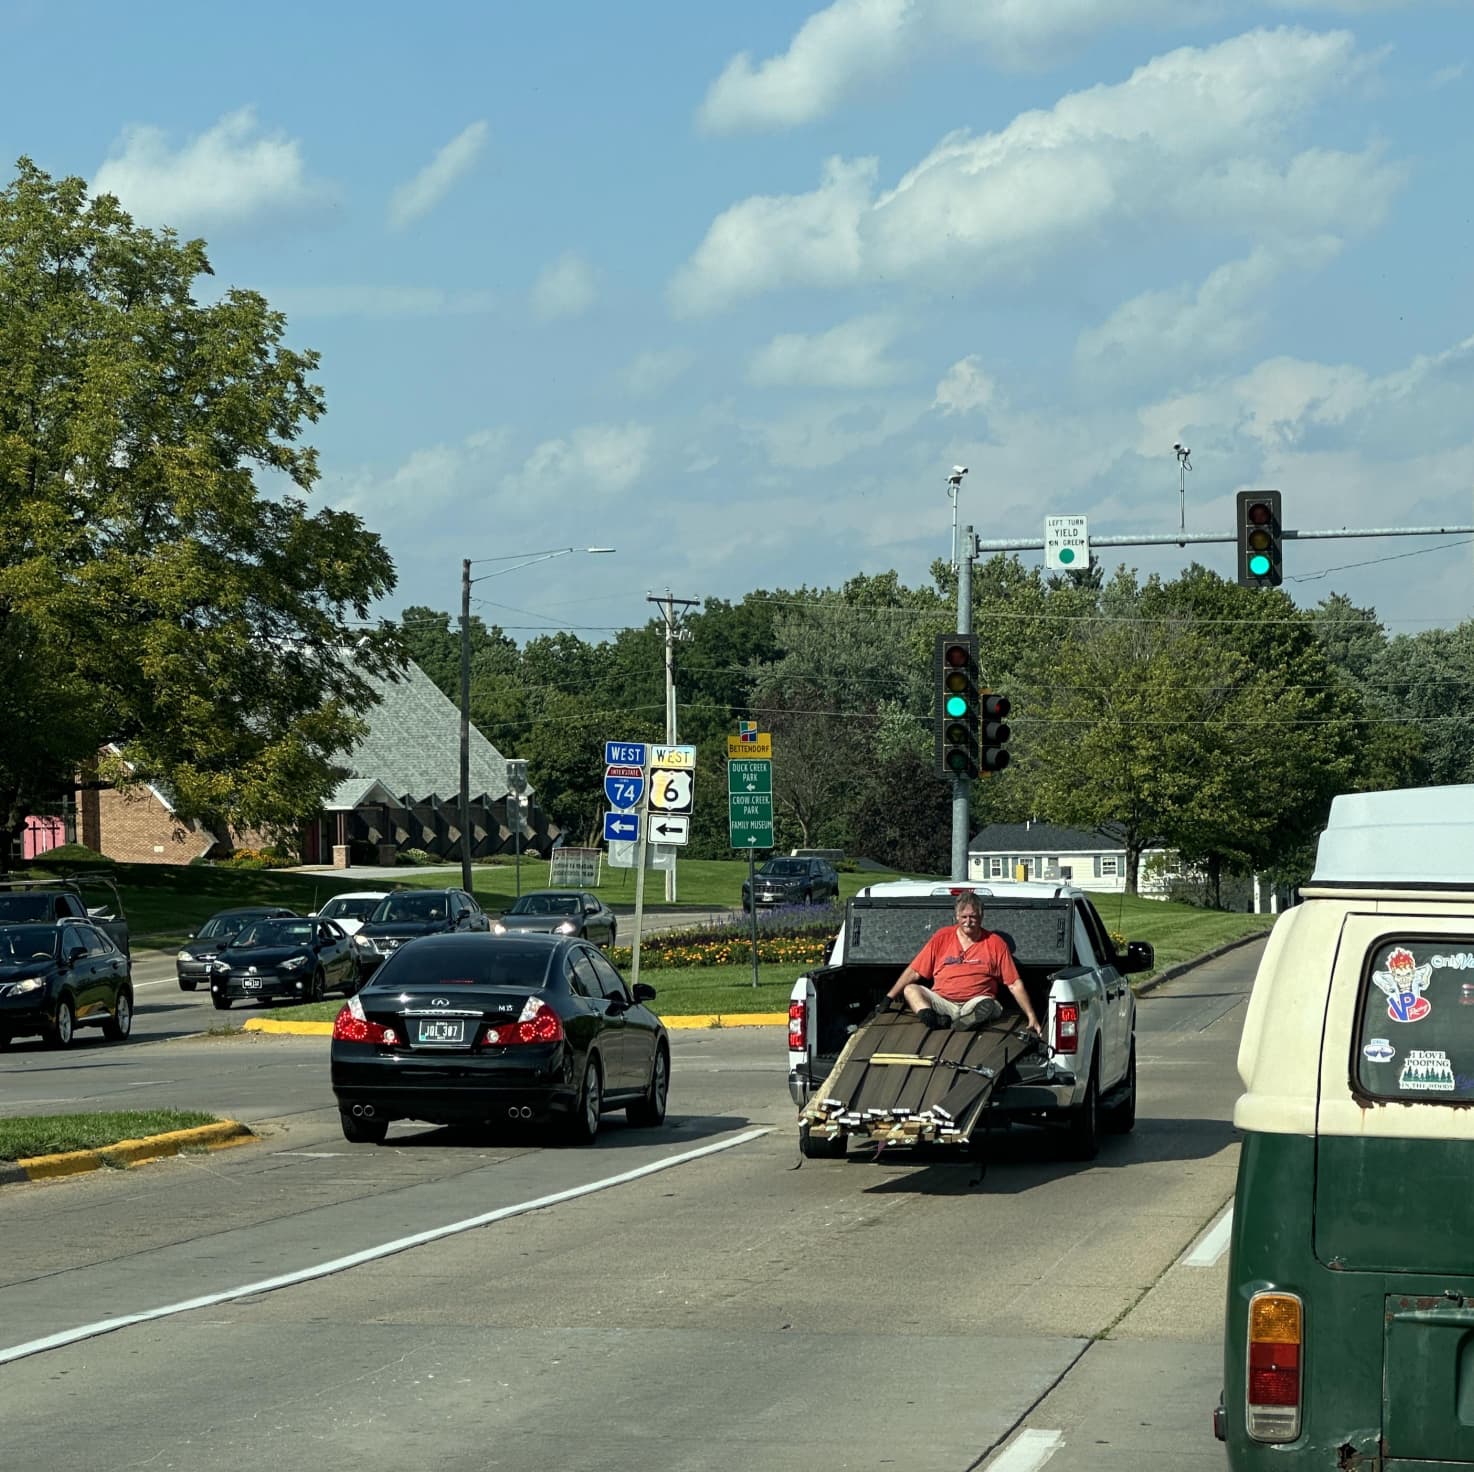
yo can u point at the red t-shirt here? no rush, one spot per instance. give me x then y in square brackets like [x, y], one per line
[958, 974]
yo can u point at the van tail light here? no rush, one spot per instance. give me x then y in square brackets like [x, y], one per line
[538, 1024]
[1276, 1339]
[352, 1026]
[798, 1027]
[1066, 1027]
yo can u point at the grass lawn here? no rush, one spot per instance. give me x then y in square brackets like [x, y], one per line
[52, 1134]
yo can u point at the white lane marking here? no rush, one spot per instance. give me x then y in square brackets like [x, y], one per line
[367, 1254]
[311, 1154]
[1212, 1244]
[1029, 1452]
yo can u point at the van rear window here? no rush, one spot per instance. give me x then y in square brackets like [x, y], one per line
[1416, 1040]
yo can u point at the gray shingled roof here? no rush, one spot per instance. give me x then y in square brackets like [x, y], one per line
[1038, 838]
[413, 748]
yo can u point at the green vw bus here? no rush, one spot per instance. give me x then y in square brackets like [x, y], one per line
[1349, 1335]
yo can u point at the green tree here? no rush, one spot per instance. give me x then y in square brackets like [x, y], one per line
[205, 621]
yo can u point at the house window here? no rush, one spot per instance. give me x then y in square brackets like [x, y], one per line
[995, 868]
[1109, 866]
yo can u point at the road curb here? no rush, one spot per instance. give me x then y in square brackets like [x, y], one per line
[1183, 967]
[126, 1153]
[294, 1029]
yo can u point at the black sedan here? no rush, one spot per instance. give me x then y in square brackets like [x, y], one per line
[192, 964]
[485, 1029]
[294, 960]
[793, 882]
[57, 977]
[408, 914]
[559, 912]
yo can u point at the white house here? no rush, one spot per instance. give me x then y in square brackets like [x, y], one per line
[1004, 852]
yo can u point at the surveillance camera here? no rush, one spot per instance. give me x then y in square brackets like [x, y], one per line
[1178, 447]
[959, 470]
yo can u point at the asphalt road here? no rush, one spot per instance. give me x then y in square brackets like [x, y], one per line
[681, 1298]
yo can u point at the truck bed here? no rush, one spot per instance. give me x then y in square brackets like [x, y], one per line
[899, 1081]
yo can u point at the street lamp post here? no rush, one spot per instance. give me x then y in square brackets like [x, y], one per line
[521, 560]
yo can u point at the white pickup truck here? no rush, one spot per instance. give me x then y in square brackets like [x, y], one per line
[1085, 1076]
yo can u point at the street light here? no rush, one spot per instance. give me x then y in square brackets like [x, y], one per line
[520, 560]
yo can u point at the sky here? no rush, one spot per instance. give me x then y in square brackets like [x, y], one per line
[731, 289]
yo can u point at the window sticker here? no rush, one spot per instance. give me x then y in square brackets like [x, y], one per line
[1403, 982]
[1378, 1050]
[1426, 1071]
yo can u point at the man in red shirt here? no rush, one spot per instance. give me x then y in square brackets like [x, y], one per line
[962, 967]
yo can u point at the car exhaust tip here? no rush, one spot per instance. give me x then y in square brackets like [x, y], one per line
[368, 1110]
[357, 1111]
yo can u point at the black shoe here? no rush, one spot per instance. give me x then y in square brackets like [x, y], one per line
[934, 1019]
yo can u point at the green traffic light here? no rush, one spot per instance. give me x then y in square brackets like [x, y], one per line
[956, 705]
[1259, 565]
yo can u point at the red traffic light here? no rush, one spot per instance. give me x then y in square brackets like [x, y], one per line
[1260, 513]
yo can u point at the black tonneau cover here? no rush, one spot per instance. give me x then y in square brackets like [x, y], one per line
[902, 1082]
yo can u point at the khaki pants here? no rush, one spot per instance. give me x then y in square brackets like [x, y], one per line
[974, 1013]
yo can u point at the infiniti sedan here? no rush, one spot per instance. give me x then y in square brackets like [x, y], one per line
[560, 912]
[482, 1029]
[294, 960]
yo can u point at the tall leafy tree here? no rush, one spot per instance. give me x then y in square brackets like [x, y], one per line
[139, 558]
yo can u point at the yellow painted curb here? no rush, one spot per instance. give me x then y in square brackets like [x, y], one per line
[700, 1019]
[297, 1029]
[124, 1153]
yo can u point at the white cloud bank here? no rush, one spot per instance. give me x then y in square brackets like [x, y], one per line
[565, 288]
[852, 355]
[415, 199]
[230, 174]
[1196, 138]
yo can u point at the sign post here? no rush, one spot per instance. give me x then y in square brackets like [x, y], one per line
[750, 805]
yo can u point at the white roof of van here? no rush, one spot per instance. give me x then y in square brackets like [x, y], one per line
[1420, 835]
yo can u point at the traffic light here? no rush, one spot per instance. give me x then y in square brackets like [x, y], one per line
[995, 732]
[1260, 558]
[958, 719]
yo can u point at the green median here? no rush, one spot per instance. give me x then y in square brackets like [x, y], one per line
[26, 1136]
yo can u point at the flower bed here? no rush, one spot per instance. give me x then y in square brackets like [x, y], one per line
[789, 935]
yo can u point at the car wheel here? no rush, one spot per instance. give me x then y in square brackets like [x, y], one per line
[808, 896]
[186, 986]
[1083, 1138]
[120, 1024]
[650, 1110]
[583, 1124]
[818, 1147]
[4, 1041]
[613, 936]
[352, 986]
[317, 986]
[64, 1029]
[359, 1131]
[221, 1001]
[1120, 1118]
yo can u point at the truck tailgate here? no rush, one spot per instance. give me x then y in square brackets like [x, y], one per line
[898, 1080]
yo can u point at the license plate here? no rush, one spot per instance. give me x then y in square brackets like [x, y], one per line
[442, 1030]
[252, 983]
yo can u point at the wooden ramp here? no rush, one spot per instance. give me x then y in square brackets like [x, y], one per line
[901, 1082]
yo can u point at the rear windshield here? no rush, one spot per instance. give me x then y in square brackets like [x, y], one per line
[488, 964]
[1416, 1039]
[1039, 936]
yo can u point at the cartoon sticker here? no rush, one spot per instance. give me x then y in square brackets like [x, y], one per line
[1379, 1050]
[1426, 1071]
[1404, 982]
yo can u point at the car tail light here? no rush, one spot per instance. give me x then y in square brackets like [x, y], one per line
[1066, 1027]
[351, 1026]
[541, 1025]
[798, 1026]
[1276, 1338]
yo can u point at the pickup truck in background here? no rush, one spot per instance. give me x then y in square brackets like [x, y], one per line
[1083, 1075]
[90, 897]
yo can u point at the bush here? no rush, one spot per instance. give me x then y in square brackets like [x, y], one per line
[416, 856]
[70, 854]
[257, 858]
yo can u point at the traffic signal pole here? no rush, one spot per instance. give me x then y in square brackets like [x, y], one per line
[961, 783]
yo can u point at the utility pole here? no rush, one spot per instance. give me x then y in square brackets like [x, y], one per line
[667, 606]
[961, 784]
[466, 725]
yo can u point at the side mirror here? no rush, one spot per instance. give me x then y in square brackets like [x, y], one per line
[312, 914]
[644, 992]
[1140, 955]
[191, 935]
[75, 954]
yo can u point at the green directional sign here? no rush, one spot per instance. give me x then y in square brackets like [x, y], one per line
[750, 803]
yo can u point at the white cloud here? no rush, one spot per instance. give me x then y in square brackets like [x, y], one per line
[966, 389]
[1165, 332]
[650, 373]
[1446, 75]
[851, 45]
[1196, 137]
[597, 460]
[418, 196]
[229, 174]
[378, 301]
[565, 288]
[852, 355]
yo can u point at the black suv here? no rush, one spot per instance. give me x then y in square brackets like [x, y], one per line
[59, 975]
[192, 964]
[408, 914]
[793, 881]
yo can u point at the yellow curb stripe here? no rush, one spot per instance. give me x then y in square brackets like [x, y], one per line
[298, 1029]
[124, 1153]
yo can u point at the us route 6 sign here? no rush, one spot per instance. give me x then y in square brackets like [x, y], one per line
[671, 789]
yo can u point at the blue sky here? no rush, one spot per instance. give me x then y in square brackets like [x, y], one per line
[732, 288]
